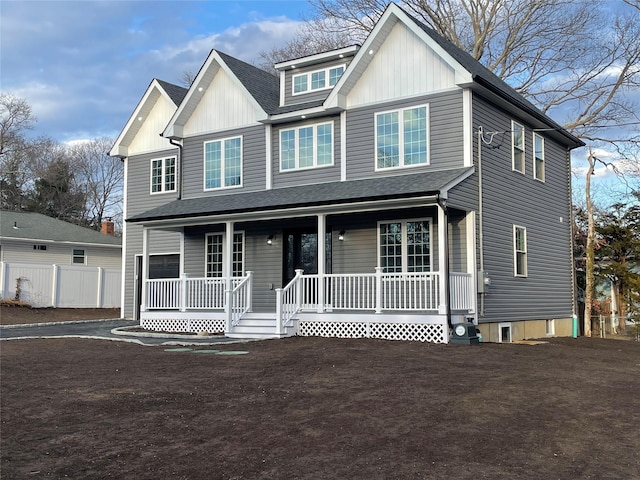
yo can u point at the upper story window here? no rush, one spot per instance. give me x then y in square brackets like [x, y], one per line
[538, 157]
[214, 249]
[223, 163]
[306, 147]
[519, 251]
[317, 79]
[405, 246]
[163, 175]
[78, 256]
[517, 147]
[402, 138]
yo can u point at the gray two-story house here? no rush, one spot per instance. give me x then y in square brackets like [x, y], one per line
[386, 190]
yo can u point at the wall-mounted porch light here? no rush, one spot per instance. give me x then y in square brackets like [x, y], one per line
[270, 240]
[341, 236]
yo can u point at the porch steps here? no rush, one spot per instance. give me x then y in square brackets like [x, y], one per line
[258, 325]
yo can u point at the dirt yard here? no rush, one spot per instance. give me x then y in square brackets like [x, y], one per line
[13, 315]
[311, 408]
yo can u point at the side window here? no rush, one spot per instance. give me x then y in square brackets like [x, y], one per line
[519, 251]
[163, 175]
[402, 138]
[214, 254]
[517, 147]
[164, 265]
[538, 157]
[78, 257]
[223, 163]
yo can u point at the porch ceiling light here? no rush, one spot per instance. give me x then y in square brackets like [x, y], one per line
[270, 240]
[341, 236]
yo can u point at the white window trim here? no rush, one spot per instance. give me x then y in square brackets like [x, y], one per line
[507, 325]
[222, 164]
[404, 253]
[297, 166]
[311, 72]
[535, 158]
[162, 254]
[224, 253]
[401, 138]
[516, 251]
[513, 148]
[164, 173]
[84, 256]
[550, 327]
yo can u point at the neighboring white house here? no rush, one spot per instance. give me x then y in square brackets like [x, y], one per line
[51, 263]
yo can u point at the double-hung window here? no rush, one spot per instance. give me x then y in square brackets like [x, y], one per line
[163, 175]
[317, 79]
[402, 138]
[306, 147]
[538, 157]
[405, 246]
[223, 163]
[517, 147]
[78, 257]
[519, 251]
[214, 254]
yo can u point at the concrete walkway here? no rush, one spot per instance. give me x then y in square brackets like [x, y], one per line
[114, 329]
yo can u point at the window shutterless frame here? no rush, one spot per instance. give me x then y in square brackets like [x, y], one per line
[306, 147]
[517, 148]
[403, 248]
[215, 254]
[538, 157]
[401, 138]
[163, 175]
[316, 80]
[222, 163]
[519, 251]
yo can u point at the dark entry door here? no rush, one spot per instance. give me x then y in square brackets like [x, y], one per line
[301, 252]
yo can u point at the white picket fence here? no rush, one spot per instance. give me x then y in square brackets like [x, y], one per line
[61, 286]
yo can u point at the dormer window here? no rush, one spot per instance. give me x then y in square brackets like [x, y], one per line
[317, 79]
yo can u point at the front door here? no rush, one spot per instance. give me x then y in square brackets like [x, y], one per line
[301, 252]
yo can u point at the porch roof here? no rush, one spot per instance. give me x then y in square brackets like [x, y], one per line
[321, 194]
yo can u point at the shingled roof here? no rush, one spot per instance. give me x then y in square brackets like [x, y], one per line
[35, 226]
[175, 92]
[321, 194]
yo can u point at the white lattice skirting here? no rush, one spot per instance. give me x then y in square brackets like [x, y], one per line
[183, 325]
[416, 332]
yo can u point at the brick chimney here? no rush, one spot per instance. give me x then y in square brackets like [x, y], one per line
[108, 228]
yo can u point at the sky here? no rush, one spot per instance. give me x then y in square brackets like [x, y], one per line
[83, 66]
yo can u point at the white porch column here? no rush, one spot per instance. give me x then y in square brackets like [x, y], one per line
[442, 259]
[227, 271]
[321, 261]
[145, 268]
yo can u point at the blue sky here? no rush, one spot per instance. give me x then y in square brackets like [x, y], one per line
[83, 65]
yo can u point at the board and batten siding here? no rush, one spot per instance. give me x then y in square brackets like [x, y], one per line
[290, 99]
[543, 208]
[307, 176]
[446, 148]
[253, 162]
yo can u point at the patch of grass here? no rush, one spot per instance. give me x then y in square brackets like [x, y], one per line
[10, 302]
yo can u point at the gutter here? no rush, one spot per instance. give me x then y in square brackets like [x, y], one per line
[179, 145]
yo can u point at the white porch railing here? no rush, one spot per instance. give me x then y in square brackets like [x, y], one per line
[289, 300]
[187, 293]
[461, 291]
[239, 301]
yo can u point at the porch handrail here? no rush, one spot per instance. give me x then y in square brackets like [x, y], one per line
[239, 301]
[415, 291]
[288, 302]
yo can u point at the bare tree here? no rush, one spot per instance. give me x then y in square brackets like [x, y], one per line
[101, 178]
[15, 118]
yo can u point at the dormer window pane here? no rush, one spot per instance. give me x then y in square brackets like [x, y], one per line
[300, 84]
[317, 80]
[335, 74]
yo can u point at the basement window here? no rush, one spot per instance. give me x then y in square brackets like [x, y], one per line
[505, 332]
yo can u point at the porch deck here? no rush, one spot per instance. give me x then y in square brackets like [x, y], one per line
[399, 306]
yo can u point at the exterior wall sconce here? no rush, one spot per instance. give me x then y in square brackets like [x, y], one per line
[341, 236]
[270, 240]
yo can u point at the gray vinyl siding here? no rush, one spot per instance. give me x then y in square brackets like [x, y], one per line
[445, 135]
[138, 200]
[290, 99]
[457, 242]
[513, 198]
[253, 162]
[289, 178]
